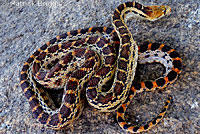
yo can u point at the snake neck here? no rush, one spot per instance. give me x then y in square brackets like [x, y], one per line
[129, 10]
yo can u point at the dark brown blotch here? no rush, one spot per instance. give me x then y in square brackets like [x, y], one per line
[37, 52]
[136, 85]
[120, 119]
[41, 75]
[34, 102]
[92, 40]
[54, 120]
[128, 11]
[80, 52]
[79, 42]
[119, 23]
[177, 64]
[103, 71]
[110, 60]
[94, 29]
[70, 98]
[115, 38]
[146, 126]
[172, 75]
[129, 4]
[107, 50]
[67, 58]
[37, 112]
[163, 110]
[52, 41]
[174, 54]
[25, 85]
[143, 48]
[121, 110]
[25, 68]
[148, 84]
[91, 93]
[154, 121]
[63, 36]
[53, 63]
[43, 47]
[49, 55]
[41, 56]
[121, 76]
[84, 31]
[29, 93]
[122, 65]
[166, 48]
[118, 89]
[160, 82]
[53, 49]
[36, 67]
[93, 82]
[66, 45]
[109, 30]
[125, 39]
[99, 29]
[89, 54]
[74, 33]
[105, 99]
[65, 112]
[71, 85]
[123, 30]
[101, 43]
[30, 60]
[121, 7]
[155, 46]
[79, 74]
[43, 119]
[138, 6]
[23, 76]
[56, 68]
[116, 15]
[146, 10]
[135, 129]
[89, 63]
[125, 52]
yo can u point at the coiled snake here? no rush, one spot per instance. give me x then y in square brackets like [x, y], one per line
[88, 61]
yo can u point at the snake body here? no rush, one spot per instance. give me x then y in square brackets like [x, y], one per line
[87, 61]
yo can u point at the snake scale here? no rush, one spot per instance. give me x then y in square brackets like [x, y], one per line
[99, 62]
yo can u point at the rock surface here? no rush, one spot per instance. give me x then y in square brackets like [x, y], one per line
[25, 26]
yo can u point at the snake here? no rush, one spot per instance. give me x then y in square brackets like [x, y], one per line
[97, 65]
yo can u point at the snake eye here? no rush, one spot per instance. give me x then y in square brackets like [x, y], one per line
[165, 11]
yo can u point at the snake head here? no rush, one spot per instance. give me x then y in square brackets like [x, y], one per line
[157, 12]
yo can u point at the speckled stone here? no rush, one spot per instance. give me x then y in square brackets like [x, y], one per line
[25, 26]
